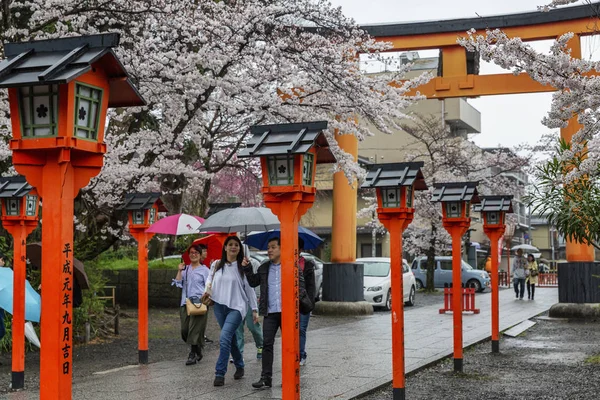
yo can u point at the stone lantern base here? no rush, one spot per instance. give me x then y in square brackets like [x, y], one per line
[343, 290]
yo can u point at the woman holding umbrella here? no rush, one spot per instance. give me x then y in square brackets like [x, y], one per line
[192, 279]
[231, 293]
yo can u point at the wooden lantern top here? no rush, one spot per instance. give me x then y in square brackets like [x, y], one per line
[14, 186]
[455, 192]
[288, 139]
[59, 61]
[494, 203]
[142, 201]
[395, 174]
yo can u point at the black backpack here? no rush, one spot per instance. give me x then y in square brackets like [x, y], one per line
[306, 303]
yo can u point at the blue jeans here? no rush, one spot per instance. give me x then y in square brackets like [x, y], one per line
[228, 320]
[519, 284]
[304, 318]
[255, 330]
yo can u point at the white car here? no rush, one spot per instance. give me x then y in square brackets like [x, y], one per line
[378, 279]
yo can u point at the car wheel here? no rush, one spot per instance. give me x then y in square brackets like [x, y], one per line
[419, 284]
[474, 283]
[388, 301]
[411, 296]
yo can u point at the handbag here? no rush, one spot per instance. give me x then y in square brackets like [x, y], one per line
[534, 272]
[194, 306]
[205, 299]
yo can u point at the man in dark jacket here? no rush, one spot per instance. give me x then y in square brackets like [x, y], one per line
[268, 277]
[307, 268]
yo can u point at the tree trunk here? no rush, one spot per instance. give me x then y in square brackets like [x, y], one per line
[431, 260]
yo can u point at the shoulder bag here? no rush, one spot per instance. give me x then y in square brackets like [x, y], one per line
[194, 306]
[206, 300]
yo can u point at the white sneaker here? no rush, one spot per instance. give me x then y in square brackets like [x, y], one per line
[303, 361]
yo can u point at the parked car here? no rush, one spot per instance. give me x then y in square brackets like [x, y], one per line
[260, 256]
[378, 282]
[443, 273]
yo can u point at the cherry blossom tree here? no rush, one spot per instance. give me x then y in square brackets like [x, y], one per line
[209, 70]
[567, 190]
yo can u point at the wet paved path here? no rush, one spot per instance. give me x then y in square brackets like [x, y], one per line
[343, 361]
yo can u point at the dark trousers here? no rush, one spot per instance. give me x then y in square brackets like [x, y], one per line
[193, 327]
[271, 324]
[519, 287]
[530, 290]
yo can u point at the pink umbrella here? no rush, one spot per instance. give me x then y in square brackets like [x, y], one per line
[178, 224]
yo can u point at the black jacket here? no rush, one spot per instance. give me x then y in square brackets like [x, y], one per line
[261, 278]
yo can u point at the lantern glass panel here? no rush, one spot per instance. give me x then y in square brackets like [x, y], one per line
[138, 217]
[152, 218]
[390, 197]
[87, 111]
[468, 209]
[492, 217]
[453, 209]
[280, 170]
[38, 106]
[12, 206]
[30, 205]
[307, 170]
[409, 196]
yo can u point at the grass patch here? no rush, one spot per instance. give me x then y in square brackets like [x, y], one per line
[130, 263]
[593, 359]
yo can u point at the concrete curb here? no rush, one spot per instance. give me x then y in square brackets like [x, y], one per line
[343, 308]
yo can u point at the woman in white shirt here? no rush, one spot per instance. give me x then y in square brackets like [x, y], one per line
[232, 296]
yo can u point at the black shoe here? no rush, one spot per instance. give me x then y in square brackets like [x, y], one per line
[239, 373]
[219, 381]
[192, 359]
[207, 340]
[199, 355]
[262, 382]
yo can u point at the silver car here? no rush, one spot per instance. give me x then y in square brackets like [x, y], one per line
[443, 273]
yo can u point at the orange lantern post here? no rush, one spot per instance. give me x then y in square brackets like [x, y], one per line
[456, 199]
[142, 210]
[20, 203]
[289, 153]
[396, 184]
[494, 209]
[59, 91]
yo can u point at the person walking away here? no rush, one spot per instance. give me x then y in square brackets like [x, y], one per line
[232, 294]
[488, 265]
[519, 268]
[532, 279]
[307, 269]
[192, 279]
[255, 328]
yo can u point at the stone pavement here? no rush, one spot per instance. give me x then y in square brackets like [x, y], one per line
[344, 361]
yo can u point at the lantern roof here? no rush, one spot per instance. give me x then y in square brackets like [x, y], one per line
[395, 174]
[59, 61]
[142, 201]
[284, 139]
[214, 208]
[455, 191]
[14, 186]
[494, 203]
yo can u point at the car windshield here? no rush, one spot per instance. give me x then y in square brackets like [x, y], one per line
[376, 268]
[466, 266]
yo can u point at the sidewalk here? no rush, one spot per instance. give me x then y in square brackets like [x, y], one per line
[344, 361]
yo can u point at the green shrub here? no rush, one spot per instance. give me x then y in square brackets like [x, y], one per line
[92, 308]
[6, 342]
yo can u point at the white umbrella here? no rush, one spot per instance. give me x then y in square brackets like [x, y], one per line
[31, 335]
[526, 247]
[241, 219]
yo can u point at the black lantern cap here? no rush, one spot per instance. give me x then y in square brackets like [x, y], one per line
[14, 186]
[395, 174]
[494, 203]
[142, 201]
[59, 61]
[284, 139]
[214, 208]
[455, 191]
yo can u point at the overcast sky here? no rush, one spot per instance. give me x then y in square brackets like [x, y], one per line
[506, 120]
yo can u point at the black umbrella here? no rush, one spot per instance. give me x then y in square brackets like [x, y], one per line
[34, 255]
